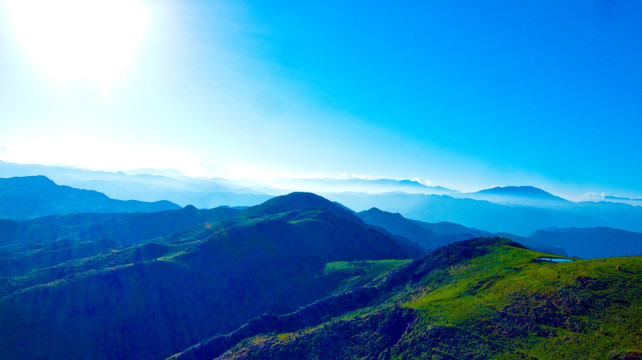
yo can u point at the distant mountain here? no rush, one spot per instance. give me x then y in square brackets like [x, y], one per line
[433, 235]
[153, 299]
[521, 220]
[584, 243]
[518, 195]
[429, 236]
[521, 191]
[588, 243]
[363, 185]
[478, 299]
[398, 225]
[150, 185]
[35, 196]
[623, 200]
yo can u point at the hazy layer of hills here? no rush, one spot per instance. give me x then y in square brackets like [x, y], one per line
[519, 210]
[34, 196]
[143, 186]
[584, 243]
[517, 219]
[361, 185]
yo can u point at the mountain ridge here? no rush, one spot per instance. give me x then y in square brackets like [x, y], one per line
[36, 196]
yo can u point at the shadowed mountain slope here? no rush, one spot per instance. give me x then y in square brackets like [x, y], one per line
[429, 236]
[151, 300]
[48, 241]
[123, 228]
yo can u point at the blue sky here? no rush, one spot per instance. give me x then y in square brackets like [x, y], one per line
[463, 94]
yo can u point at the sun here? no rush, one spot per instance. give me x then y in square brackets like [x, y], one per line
[91, 41]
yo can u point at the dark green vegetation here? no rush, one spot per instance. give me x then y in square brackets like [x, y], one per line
[153, 299]
[124, 228]
[34, 196]
[51, 240]
[479, 299]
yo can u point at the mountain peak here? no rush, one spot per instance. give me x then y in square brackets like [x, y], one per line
[378, 212]
[521, 191]
[300, 201]
[28, 180]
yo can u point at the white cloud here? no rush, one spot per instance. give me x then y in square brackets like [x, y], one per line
[595, 196]
[422, 181]
[361, 177]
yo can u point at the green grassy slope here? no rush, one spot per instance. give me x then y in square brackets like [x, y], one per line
[479, 299]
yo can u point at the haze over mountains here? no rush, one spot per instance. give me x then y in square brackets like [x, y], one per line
[518, 210]
[158, 186]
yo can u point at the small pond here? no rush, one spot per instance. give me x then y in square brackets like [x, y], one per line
[553, 259]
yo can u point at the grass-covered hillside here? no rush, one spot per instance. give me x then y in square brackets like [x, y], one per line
[479, 299]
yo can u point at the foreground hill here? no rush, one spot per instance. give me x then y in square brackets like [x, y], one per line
[35, 196]
[153, 299]
[479, 299]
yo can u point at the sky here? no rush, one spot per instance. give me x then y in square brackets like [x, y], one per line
[461, 94]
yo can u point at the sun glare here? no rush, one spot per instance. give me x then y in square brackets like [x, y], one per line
[91, 41]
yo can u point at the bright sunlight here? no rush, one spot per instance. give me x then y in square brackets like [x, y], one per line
[90, 41]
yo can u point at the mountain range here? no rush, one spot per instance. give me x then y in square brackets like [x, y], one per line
[150, 185]
[493, 217]
[519, 210]
[299, 276]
